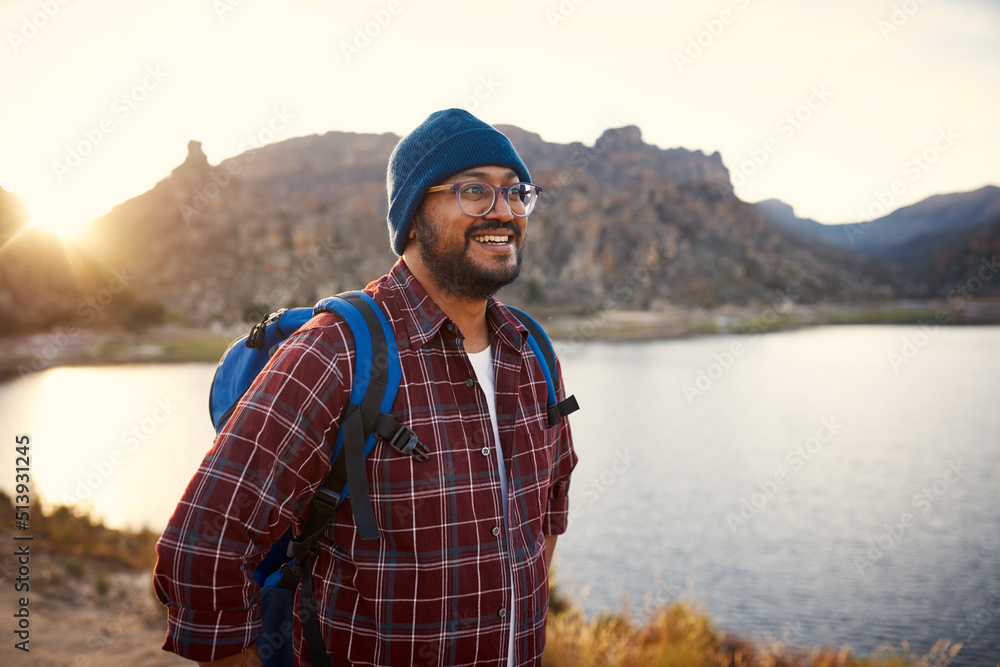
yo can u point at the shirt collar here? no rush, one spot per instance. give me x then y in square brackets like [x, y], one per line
[507, 328]
[423, 318]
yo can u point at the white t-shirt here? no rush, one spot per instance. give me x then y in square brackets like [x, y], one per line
[482, 364]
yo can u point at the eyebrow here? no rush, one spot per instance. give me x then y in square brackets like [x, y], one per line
[473, 173]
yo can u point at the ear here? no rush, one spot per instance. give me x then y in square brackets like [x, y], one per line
[412, 233]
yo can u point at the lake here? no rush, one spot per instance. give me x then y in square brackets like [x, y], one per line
[833, 485]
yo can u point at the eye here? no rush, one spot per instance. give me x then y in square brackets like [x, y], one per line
[517, 192]
[473, 191]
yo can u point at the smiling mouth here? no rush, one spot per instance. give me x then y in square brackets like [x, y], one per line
[492, 239]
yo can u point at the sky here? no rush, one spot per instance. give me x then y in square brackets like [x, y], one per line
[843, 109]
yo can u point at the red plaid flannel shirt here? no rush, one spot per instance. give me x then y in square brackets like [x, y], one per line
[436, 588]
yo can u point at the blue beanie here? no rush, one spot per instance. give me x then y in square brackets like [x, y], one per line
[445, 144]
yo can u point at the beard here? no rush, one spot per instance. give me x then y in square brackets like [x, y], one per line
[452, 268]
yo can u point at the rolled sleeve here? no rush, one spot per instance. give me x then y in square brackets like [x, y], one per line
[211, 635]
[556, 516]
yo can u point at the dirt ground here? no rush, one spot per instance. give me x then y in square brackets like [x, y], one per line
[81, 614]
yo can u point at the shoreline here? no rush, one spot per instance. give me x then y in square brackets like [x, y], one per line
[92, 602]
[26, 354]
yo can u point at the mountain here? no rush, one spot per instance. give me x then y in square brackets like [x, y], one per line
[621, 224]
[256, 232]
[932, 219]
[780, 214]
[899, 232]
[928, 247]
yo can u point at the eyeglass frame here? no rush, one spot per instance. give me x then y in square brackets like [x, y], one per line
[502, 191]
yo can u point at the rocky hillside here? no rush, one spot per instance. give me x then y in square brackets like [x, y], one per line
[621, 224]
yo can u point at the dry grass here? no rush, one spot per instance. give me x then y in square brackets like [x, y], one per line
[682, 635]
[63, 532]
[678, 636]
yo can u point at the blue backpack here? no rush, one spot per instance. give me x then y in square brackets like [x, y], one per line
[377, 375]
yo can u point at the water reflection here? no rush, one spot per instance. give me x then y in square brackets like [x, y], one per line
[117, 441]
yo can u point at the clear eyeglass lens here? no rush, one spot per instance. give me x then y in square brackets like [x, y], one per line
[476, 192]
[476, 198]
[522, 198]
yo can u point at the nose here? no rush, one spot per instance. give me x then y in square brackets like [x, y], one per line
[500, 209]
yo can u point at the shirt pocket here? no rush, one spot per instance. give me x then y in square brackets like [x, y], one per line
[529, 480]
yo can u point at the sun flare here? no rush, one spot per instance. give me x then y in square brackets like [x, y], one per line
[62, 217]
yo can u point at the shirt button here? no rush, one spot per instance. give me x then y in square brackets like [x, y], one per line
[470, 382]
[450, 326]
[485, 451]
[496, 530]
[502, 613]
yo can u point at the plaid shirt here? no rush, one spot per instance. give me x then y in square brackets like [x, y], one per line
[435, 589]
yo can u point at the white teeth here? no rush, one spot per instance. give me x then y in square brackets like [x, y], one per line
[492, 239]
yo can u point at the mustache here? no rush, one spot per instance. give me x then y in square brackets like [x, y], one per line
[491, 227]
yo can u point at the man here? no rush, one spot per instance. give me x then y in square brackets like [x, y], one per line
[459, 574]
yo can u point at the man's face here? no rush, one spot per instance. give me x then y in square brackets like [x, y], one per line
[470, 257]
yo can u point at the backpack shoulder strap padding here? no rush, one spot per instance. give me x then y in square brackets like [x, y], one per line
[377, 374]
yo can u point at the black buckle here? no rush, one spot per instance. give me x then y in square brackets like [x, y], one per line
[405, 441]
[256, 337]
[291, 575]
[327, 499]
[299, 548]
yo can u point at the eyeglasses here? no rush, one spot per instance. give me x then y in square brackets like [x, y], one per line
[476, 198]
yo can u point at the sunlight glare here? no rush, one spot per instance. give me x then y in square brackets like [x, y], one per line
[61, 216]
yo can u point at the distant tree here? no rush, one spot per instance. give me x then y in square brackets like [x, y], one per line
[138, 315]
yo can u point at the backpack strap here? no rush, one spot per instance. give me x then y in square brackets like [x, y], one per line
[309, 615]
[366, 418]
[377, 374]
[540, 344]
[374, 362]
